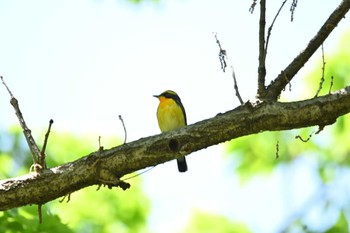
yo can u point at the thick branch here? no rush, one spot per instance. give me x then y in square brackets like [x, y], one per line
[275, 88]
[107, 166]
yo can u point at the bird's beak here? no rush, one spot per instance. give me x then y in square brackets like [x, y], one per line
[157, 96]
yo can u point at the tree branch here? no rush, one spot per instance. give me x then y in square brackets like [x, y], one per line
[275, 88]
[108, 166]
[26, 131]
[262, 50]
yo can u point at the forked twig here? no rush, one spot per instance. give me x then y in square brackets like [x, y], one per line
[263, 46]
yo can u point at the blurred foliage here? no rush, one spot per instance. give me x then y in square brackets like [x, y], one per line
[25, 220]
[15, 158]
[256, 155]
[341, 225]
[207, 223]
[89, 210]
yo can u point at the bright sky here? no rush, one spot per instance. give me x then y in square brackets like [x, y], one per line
[83, 63]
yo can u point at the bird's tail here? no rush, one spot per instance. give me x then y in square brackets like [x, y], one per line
[181, 164]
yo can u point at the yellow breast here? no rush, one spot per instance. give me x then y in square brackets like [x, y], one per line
[170, 115]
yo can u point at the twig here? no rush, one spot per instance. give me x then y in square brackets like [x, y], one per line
[125, 134]
[223, 57]
[292, 9]
[331, 85]
[262, 68]
[235, 82]
[8, 89]
[268, 38]
[304, 140]
[277, 150]
[270, 28]
[252, 7]
[320, 128]
[100, 147]
[42, 160]
[322, 76]
[138, 174]
[26, 131]
[64, 197]
[40, 214]
[222, 54]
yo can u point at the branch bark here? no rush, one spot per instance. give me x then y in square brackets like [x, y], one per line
[108, 166]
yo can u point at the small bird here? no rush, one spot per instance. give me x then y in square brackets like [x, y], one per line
[171, 115]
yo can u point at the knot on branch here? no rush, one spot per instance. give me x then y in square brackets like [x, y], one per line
[174, 145]
[111, 180]
[108, 177]
[330, 26]
[37, 168]
[122, 184]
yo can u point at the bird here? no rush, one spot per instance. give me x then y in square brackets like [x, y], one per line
[171, 115]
